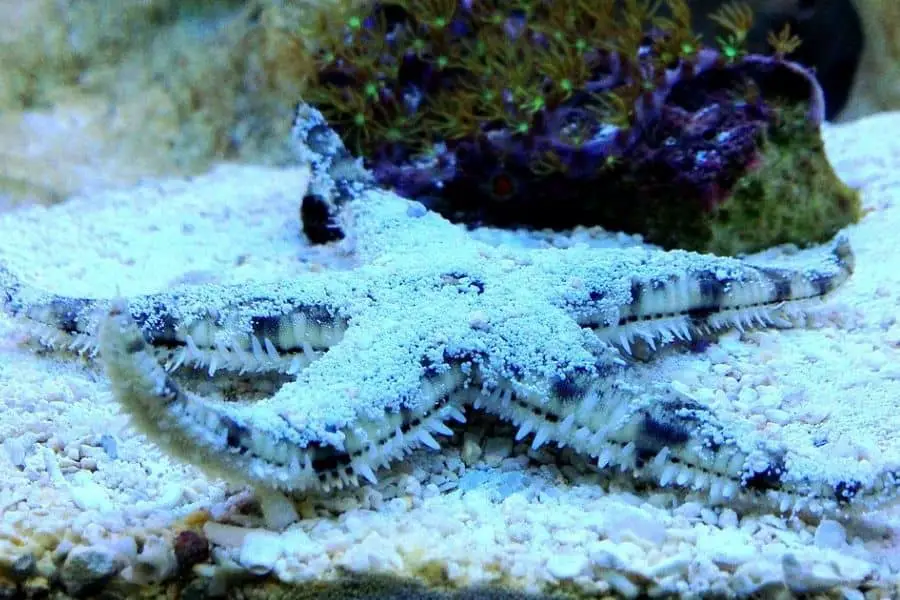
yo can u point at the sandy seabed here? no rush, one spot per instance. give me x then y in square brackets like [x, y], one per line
[85, 500]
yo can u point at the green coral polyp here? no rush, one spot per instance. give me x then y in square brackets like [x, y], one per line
[591, 112]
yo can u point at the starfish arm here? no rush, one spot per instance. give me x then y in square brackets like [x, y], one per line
[323, 431]
[676, 295]
[343, 204]
[58, 322]
[336, 176]
[237, 328]
[672, 439]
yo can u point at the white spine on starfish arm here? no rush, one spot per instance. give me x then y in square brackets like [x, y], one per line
[243, 443]
[266, 338]
[679, 306]
[666, 436]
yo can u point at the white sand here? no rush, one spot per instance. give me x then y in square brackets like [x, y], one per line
[72, 468]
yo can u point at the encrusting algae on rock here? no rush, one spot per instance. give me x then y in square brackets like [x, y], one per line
[559, 114]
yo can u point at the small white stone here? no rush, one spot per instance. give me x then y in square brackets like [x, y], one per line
[830, 534]
[633, 522]
[416, 210]
[621, 584]
[708, 516]
[721, 369]
[608, 555]
[776, 415]
[397, 505]
[374, 553]
[471, 450]
[678, 564]
[567, 566]
[748, 395]
[156, 562]
[689, 510]
[726, 547]
[496, 449]
[852, 594]
[87, 495]
[479, 320]
[228, 536]
[728, 518]
[259, 551]
[15, 450]
[298, 545]
[278, 510]
[124, 546]
[809, 577]
[171, 496]
[750, 577]
[412, 486]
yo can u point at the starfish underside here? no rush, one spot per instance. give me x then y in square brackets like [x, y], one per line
[367, 364]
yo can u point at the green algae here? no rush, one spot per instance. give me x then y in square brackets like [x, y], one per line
[792, 196]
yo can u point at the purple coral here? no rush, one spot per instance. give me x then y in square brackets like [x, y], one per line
[536, 113]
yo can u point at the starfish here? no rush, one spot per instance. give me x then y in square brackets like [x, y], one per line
[346, 371]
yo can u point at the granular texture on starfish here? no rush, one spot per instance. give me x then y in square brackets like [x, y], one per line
[370, 363]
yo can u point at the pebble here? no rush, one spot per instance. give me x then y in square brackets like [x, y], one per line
[633, 522]
[36, 587]
[809, 578]
[373, 554]
[17, 563]
[608, 555]
[670, 566]
[259, 551]
[689, 510]
[221, 534]
[496, 449]
[190, 548]
[471, 449]
[87, 495]
[109, 445]
[567, 566]
[277, 509]
[830, 534]
[299, 545]
[16, 450]
[156, 562]
[728, 519]
[416, 210]
[87, 568]
[125, 548]
[726, 547]
[751, 577]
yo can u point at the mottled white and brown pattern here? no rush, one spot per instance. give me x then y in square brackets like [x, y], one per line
[345, 372]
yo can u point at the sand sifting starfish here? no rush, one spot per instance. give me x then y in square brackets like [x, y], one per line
[347, 371]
